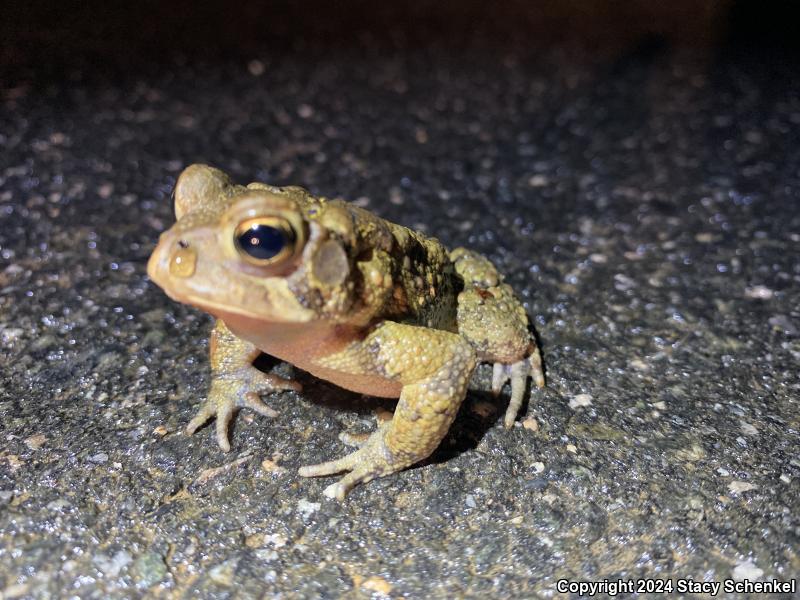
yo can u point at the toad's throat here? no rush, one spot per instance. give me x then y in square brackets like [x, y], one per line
[305, 345]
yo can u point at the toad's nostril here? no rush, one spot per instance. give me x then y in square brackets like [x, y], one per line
[183, 243]
[183, 261]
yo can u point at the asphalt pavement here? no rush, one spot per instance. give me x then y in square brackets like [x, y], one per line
[642, 201]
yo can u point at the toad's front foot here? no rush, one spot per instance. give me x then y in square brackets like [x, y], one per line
[237, 389]
[373, 459]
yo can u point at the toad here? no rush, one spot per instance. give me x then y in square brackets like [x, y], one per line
[335, 290]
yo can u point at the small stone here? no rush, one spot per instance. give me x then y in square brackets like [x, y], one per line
[538, 181]
[378, 585]
[748, 429]
[305, 111]
[58, 505]
[112, 566]
[35, 441]
[149, 569]
[396, 196]
[382, 415]
[740, 487]
[307, 508]
[223, 573]
[16, 590]
[580, 400]
[208, 474]
[785, 478]
[572, 448]
[276, 539]
[270, 466]
[692, 453]
[599, 259]
[639, 365]
[99, 458]
[256, 68]
[596, 431]
[531, 424]
[12, 460]
[747, 570]
[758, 292]
[11, 334]
[105, 190]
[783, 323]
[470, 501]
[266, 554]
[538, 467]
[161, 431]
[623, 283]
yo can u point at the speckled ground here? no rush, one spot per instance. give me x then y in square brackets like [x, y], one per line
[645, 206]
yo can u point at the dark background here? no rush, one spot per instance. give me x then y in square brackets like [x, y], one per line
[42, 39]
[631, 167]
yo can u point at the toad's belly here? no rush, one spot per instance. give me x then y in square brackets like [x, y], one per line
[306, 345]
[371, 385]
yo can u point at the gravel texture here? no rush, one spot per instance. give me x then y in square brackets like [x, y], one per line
[643, 202]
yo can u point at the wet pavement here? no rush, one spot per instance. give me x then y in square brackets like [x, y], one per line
[644, 204]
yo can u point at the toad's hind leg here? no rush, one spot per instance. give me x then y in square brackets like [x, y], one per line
[495, 323]
[518, 374]
[434, 367]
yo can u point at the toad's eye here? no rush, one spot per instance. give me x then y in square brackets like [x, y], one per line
[265, 240]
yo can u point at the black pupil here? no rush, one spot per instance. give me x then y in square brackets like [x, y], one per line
[262, 241]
